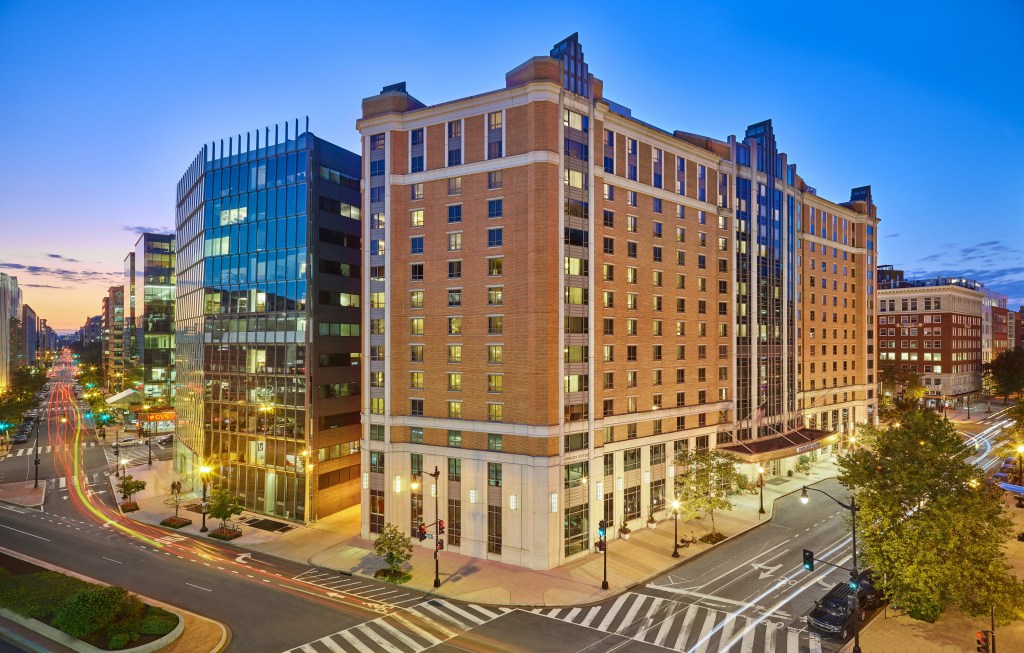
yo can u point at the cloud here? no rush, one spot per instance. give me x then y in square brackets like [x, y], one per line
[40, 285]
[892, 236]
[64, 258]
[64, 273]
[139, 230]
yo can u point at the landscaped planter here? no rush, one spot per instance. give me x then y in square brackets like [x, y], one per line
[176, 522]
[129, 506]
[624, 535]
[652, 524]
[225, 534]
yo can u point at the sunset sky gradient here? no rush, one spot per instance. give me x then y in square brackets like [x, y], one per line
[106, 104]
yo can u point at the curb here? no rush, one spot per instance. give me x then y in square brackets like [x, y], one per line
[177, 632]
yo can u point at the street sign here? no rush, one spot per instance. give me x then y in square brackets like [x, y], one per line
[430, 536]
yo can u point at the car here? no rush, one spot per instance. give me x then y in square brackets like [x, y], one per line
[129, 441]
[166, 441]
[832, 614]
[19, 438]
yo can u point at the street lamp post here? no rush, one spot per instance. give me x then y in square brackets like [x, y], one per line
[142, 433]
[37, 456]
[854, 573]
[204, 472]
[117, 455]
[675, 526]
[760, 483]
[436, 475]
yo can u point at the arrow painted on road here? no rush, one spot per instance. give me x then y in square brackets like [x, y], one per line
[766, 571]
[244, 558]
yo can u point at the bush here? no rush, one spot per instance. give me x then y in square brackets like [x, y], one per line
[37, 596]
[92, 609]
[119, 641]
[225, 534]
[158, 622]
[176, 522]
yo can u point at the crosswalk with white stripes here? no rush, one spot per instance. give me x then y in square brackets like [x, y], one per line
[687, 627]
[410, 630]
[387, 595]
[64, 482]
[29, 450]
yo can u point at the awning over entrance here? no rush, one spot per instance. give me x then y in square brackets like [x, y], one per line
[781, 446]
[122, 398]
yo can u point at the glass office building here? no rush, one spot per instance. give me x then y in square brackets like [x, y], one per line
[268, 322]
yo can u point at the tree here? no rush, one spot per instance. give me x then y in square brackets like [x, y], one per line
[222, 505]
[128, 486]
[1007, 371]
[395, 548]
[1010, 441]
[176, 499]
[927, 525]
[704, 478]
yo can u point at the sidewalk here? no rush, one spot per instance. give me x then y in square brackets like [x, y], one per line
[23, 494]
[334, 543]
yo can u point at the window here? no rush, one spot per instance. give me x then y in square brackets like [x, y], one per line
[494, 529]
[455, 241]
[609, 245]
[417, 217]
[377, 462]
[494, 412]
[454, 184]
[454, 381]
[494, 179]
[416, 191]
[454, 269]
[376, 511]
[495, 383]
[416, 325]
[416, 272]
[631, 224]
[495, 354]
[494, 267]
[377, 432]
[631, 459]
[416, 407]
[494, 296]
[494, 441]
[494, 237]
[415, 380]
[455, 300]
[609, 219]
[494, 325]
[455, 464]
[494, 208]
[416, 353]
[454, 353]
[454, 213]
[417, 244]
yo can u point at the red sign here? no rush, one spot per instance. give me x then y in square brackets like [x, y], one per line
[162, 416]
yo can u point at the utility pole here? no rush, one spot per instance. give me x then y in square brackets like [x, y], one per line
[436, 475]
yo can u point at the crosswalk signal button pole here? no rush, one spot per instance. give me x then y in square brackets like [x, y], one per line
[808, 560]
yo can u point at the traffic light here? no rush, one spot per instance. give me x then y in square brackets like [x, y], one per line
[983, 645]
[440, 545]
[600, 546]
[423, 532]
[88, 414]
[808, 560]
[602, 528]
[440, 527]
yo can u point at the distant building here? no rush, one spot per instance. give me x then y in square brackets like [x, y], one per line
[113, 337]
[29, 335]
[943, 328]
[148, 308]
[91, 333]
[268, 322]
[10, 321]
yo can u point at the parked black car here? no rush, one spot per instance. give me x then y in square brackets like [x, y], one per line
[166, 440]
[832, 615]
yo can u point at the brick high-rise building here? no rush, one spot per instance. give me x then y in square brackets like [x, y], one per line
[562, 297]
[934, 327]
[113, 337]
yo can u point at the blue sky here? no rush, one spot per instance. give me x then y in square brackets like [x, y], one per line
[105, 104]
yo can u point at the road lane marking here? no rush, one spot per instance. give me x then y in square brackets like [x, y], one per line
[38, 537]
[112, 560]
[627, 621]
[684, 631]
[614, 610]
[200, 588]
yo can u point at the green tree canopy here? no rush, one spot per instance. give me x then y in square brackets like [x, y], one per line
[928, 526]
[1007, 371]
[222, 505]
[394, 547]
[704, 479]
